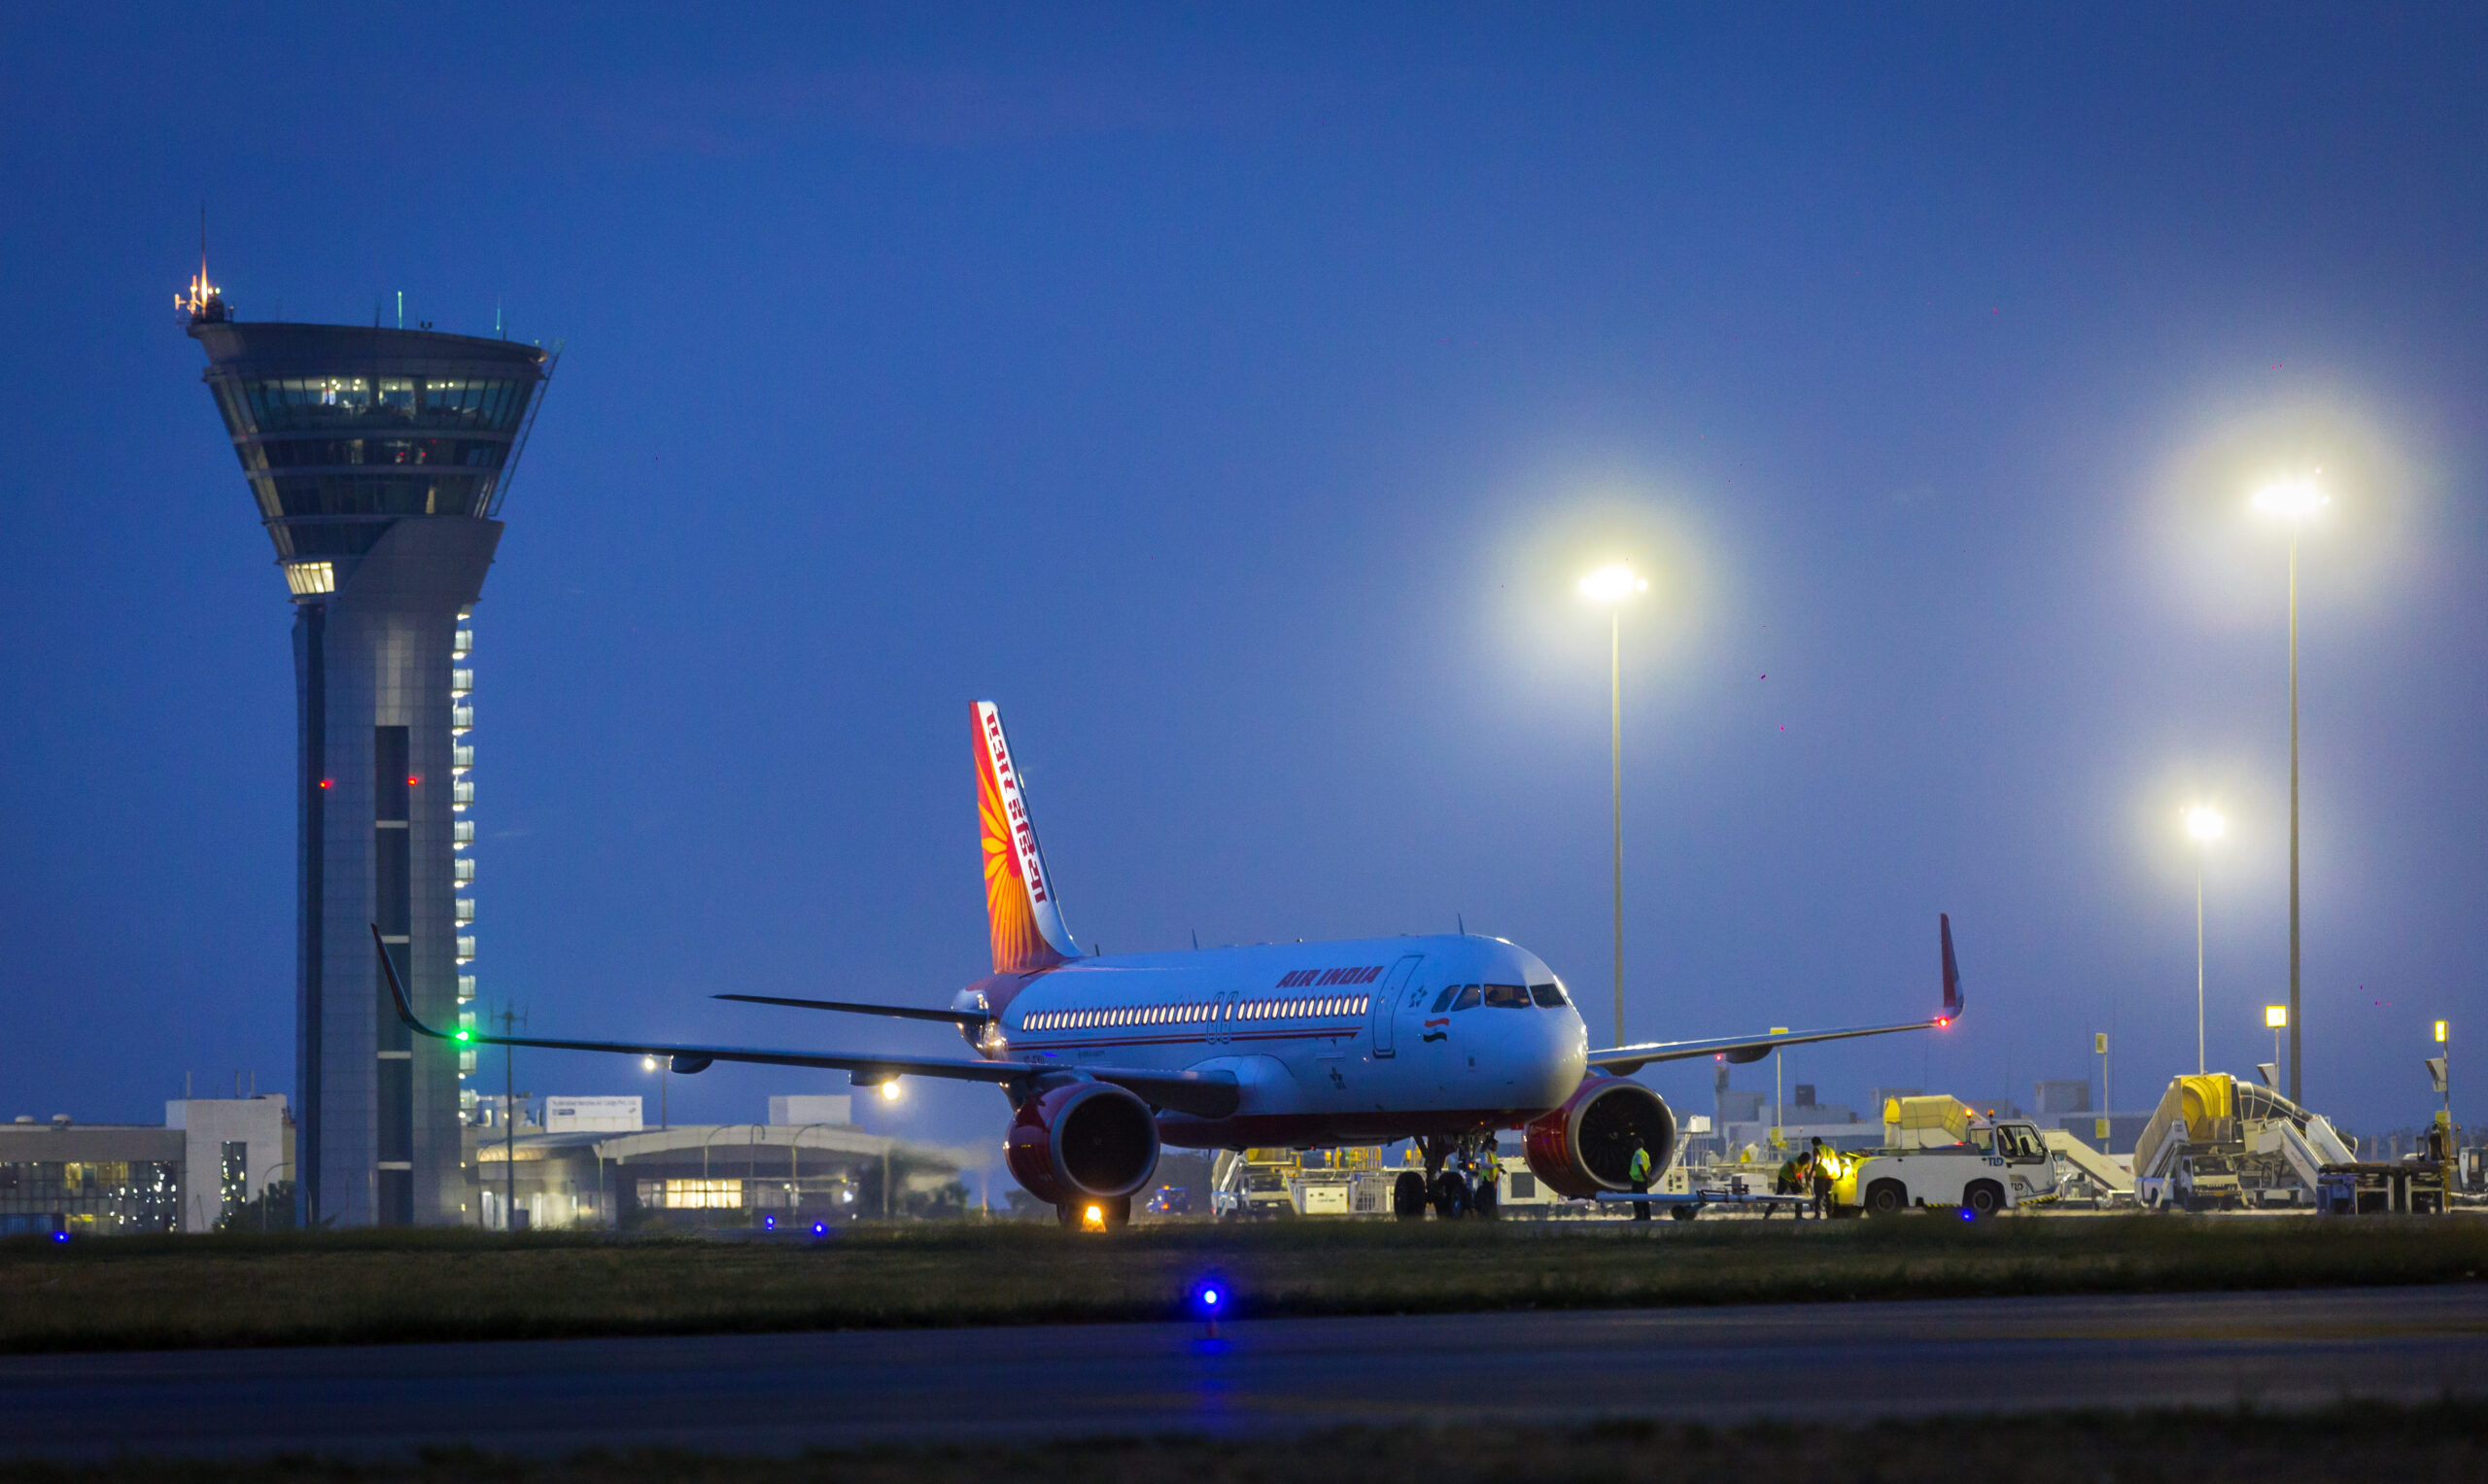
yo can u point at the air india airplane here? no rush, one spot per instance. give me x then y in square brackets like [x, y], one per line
[1107, 1058]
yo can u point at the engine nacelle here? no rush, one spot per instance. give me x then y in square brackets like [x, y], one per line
[1586, 1145]
[1083, 1141]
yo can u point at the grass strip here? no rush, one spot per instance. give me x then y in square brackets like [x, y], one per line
[2446, 1439]
[386, 1287]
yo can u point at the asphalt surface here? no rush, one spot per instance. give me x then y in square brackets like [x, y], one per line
[774, 1393]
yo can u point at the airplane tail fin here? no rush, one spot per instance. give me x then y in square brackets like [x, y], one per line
[1020, 905]
[1951, 970]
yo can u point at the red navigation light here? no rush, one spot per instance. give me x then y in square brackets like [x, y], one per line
[324, 782]
[1943, 1020]
[412, 781]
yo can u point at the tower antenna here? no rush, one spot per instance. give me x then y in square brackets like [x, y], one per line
[203, 304]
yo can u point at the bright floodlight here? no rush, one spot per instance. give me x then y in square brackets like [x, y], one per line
[2276, 1015]
[2205, 823]
[889, 1091]
[2290, 499]
[648, 1063]
[1612, 584]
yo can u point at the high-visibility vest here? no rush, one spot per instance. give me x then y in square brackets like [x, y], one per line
[1639, 1170]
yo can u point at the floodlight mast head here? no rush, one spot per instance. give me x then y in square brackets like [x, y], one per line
[2205, 823]
[1612, 584]
[2296, 501]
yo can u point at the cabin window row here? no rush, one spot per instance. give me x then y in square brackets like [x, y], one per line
[1314, 1008]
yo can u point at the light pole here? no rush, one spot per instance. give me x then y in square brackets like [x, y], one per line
[1612, 585]
[2444, 1071]
[2277, 1017]
[2205, 825]
[2296, 502]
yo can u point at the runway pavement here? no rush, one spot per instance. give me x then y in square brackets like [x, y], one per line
[770, 1394]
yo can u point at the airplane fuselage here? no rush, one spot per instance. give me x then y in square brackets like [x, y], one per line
[1361, 1040]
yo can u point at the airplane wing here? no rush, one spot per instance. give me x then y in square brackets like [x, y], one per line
[970, 1019]
[1624, 1061]
[1203, 1094]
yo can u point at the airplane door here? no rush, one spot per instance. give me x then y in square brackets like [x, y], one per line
[1386, 1005]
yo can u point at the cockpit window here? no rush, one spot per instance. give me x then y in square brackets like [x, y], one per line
[1467, 998]
[1548, 996]
[1507, 996]
[1442, 1001]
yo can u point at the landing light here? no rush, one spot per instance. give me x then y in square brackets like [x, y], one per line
[1092, 1217]
[889, 1091]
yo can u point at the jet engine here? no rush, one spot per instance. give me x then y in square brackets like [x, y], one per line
[1085, 1141]
[1586, 1145]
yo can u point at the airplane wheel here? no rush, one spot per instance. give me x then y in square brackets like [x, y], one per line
[1408, 1197]
[1485, 1202]
[1451, 1197]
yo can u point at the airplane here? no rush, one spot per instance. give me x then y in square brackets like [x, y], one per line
[1108, 1059]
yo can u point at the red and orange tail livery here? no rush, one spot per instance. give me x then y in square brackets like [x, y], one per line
[1019, 903]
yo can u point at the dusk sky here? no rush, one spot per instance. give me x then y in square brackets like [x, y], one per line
[1235, 395]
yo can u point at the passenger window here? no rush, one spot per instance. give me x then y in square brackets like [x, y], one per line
[1547, 996]
[1507, 996]
[1467, 998]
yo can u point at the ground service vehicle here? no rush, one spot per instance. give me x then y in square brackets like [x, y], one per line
[1106, 1059]
[1995, 1168]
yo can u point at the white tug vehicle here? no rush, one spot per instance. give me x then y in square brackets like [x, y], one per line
[1941, 1153]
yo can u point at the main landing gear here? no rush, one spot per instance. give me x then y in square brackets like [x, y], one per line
[1451, 1192]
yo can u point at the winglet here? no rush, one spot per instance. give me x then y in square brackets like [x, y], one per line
[397, 990]
[1951, 972]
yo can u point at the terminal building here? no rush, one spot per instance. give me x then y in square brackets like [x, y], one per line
[377, 459]
[209, 1159]
[592, 1162]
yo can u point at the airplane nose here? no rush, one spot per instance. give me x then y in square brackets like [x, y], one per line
[1563, 1056]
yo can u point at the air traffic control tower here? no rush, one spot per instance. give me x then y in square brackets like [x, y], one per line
[377, 459]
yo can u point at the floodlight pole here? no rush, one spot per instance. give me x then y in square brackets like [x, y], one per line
[1615, 768]
[2200, 1064]
[510, 1123]
[2297, 1024]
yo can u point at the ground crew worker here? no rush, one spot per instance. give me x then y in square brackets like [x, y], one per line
[1824, 1174]
[1637, 1171]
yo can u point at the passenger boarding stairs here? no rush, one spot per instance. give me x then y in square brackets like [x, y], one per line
[2072, 1154]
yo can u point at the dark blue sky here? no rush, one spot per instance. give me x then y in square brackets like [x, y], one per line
[1235, 395]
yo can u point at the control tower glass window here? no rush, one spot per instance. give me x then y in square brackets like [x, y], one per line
[279, 404]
